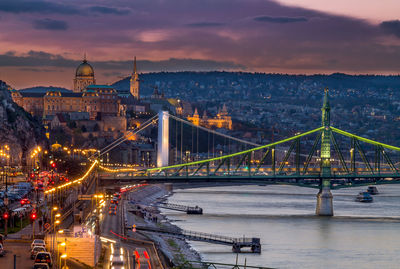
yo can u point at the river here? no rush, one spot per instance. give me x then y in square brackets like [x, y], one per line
[360, 235]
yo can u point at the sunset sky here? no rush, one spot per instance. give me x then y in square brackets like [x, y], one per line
[41, 42]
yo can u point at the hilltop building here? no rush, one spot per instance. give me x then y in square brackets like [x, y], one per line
[100, 102]
[222, 120]
[85, 97]
[84, 76]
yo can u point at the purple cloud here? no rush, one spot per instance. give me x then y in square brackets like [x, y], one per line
[280, 19]
[391, 27]
[258, 35]
[49, 24]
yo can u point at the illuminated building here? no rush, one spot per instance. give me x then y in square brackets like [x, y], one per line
[222, 120]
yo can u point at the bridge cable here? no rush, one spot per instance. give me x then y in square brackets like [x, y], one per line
[126, 137]
[128, 134]
[215, 132]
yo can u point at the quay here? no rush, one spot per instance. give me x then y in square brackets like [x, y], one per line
[190, 210]
[236, 243]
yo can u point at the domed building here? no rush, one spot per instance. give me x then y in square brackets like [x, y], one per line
[84, 76]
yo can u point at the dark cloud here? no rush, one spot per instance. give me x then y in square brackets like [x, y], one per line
[391, 27]
[52, 7]
[108, 10]
[39, 70]
[204, 24]
[279, 19]
[114, 74]
[43, 55]
[44, 59]
[43, 7]
[49, 24]
[188, 64]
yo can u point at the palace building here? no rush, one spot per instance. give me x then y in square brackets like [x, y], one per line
[84, 76]
[86, 96]
[222, 120]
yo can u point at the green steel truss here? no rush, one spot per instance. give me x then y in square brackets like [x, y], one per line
[295, 167]
[324, 164]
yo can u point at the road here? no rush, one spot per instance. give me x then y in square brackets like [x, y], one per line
[111, 227]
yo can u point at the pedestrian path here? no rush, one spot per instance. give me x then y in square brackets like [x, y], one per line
[26, 232]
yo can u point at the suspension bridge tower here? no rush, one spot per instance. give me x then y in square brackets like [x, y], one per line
[163, 139]
[324, 196]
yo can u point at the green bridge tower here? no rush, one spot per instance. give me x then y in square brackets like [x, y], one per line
[324, 196]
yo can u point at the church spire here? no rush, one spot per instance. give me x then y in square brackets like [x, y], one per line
[134, 83]
[134, 66]
[84, 57]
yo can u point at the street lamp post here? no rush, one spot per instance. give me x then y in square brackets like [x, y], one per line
[52, 218]
[64, 257]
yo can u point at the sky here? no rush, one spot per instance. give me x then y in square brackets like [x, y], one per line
[42, 42]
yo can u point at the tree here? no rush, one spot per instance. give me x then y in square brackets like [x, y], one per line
[72, 124]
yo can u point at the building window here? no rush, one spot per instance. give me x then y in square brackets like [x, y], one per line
[48, 107]
[52, 107]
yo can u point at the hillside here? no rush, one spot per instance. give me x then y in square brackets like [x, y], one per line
[173, 83]
[18, 129]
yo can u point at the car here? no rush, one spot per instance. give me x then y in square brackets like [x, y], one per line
[142, 258]
[38, 243]
[114, 201]
[117, 264]
[112, 211]
[41, 266]
[117, 258]
[28, 207]
[44, 257]
[112, 206]
[2, 252]
[36, 250]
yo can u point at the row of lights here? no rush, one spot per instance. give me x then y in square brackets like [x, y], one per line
[118, 170]
[83, 151]
[76, 181]
[62, 244]
[3, 151]
[121, 164]
[36, 152]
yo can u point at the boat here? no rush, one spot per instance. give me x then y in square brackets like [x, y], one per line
[372, 190]
[364, 197]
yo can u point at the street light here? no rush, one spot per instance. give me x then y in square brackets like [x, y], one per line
[52, 217]
[62, 244]
[64, 257]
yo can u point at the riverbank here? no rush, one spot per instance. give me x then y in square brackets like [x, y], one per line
[142, 211]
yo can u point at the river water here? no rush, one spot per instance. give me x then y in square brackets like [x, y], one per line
[360, 235]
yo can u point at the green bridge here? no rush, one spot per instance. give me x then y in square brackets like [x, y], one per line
[314, 159]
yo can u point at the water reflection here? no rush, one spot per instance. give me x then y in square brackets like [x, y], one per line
[359, 235]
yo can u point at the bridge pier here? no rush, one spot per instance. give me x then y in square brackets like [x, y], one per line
[324, 202]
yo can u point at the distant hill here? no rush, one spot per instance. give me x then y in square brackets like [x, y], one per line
[178, 81]
[43, 89]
